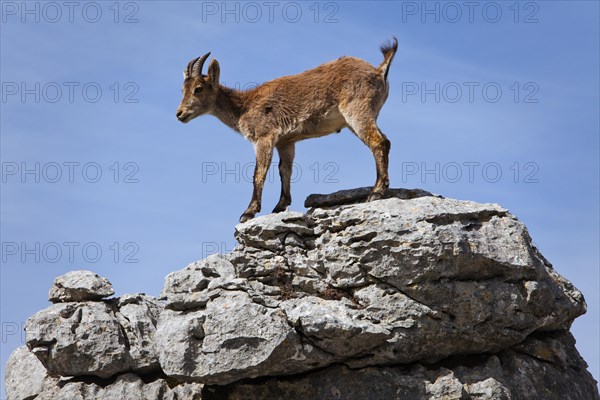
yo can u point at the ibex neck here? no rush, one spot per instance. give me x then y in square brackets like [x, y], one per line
[230, 103]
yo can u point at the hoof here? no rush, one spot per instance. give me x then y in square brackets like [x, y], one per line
[246, 217]
[280, 208]
[375, 196]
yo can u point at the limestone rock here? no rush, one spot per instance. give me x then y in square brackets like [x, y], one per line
[335, 326]
[124, 387]
[78, 339]
[99, 338]
[138, 316]
[411, 297]
[186, 288]
[24, 375]
[232, 338]
[80, 286]
[511, 375]
[459, 274]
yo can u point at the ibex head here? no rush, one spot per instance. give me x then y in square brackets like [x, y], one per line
[199, 91]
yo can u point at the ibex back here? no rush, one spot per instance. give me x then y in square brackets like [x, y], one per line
[347, 92]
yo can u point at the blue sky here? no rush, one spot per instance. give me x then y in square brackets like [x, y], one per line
[498, 103]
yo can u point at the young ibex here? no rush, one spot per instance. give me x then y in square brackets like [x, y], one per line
[347, 92]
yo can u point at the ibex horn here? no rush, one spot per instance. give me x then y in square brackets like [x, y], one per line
[188, 70]
[198, 64]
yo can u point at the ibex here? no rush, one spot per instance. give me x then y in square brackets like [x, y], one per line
[347, 92]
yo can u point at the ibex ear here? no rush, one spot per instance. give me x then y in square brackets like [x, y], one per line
[214, 71]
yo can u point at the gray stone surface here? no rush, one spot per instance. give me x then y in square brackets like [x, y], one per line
[187, 288]
[138, 316]
[366, 285]
[411, 297]
[510, 375]
[124, 387]
[24, 375]
[78, 339]
[79, 286]
[99, 338]
[232, 338]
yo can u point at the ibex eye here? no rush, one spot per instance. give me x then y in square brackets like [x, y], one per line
[198, 90]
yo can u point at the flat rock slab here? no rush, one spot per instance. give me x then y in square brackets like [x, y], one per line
[359, 195]
[80, 286]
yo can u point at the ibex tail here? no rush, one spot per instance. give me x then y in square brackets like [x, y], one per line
[389, 50]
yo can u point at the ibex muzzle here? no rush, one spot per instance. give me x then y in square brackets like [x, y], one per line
[347, 92]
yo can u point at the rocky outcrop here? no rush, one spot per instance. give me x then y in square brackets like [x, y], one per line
[410, 297]
[79, 286]
[27, 379]
[101, 338]
[511, 374]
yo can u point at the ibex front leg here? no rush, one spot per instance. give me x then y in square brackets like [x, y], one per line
[264, 154]
[286, 162]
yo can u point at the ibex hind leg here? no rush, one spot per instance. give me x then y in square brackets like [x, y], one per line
[286, 160]
[371, 135]
[380, 147]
